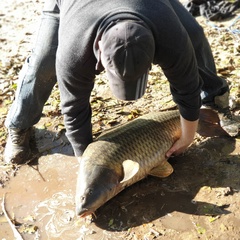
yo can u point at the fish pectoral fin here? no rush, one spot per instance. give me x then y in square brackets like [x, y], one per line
[130, 169]
[163, 170]
[79, 159]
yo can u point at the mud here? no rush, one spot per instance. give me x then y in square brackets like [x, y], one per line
[200, 200]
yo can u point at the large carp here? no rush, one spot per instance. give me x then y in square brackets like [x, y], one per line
[124, 155]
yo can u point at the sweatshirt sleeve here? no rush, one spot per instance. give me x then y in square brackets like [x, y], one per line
[75, 68]
[181, 70]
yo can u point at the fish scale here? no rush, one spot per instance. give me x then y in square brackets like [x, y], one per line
[124, 155]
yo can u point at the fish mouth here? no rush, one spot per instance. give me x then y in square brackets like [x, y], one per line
[85, 212]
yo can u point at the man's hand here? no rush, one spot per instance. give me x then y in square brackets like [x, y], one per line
[189, 129]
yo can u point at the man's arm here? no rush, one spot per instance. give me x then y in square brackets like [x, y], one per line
[189, 129]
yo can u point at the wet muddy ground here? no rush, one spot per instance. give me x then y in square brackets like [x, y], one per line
[200, 200]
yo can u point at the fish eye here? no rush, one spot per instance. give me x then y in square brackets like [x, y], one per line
[90, 191]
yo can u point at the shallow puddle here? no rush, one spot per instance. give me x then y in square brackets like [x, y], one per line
[43, 194]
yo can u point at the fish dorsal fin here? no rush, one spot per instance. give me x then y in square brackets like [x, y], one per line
[163, 170]
[130, 169]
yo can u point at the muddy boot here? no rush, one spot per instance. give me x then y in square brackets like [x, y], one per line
[17, 148]
[227, 121]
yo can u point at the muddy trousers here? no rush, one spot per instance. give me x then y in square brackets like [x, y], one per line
[38, 76]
